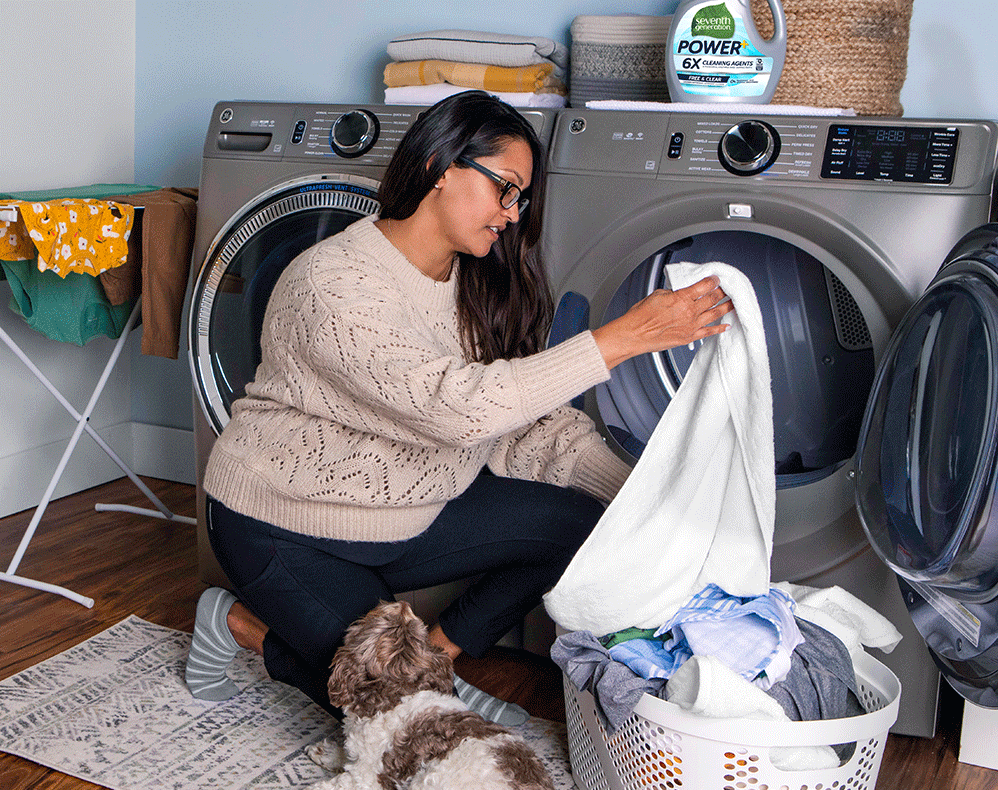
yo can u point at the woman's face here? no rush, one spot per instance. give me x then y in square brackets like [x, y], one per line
[471, 217]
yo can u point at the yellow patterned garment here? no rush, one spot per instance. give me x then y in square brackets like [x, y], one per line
[72, 235]
[14, 242]
[473, 75]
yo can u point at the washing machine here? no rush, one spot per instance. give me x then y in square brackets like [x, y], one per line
[840, 224]
[276, 178]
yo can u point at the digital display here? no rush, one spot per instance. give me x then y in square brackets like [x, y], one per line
[912, 154]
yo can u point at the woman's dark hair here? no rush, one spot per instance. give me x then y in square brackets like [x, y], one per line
[504, 301]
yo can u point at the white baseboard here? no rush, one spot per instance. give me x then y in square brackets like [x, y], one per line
[149, 450]
[166, 453]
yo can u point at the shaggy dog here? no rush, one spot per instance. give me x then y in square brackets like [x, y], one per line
[404, 726]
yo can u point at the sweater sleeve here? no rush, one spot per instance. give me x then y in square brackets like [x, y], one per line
[562, 448]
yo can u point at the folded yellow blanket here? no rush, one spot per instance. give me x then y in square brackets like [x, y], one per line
[73, 235]
[519, 79]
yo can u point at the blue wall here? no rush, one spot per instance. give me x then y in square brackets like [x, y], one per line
[190, 55]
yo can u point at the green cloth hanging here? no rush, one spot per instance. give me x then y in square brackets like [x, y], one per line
[71, 310]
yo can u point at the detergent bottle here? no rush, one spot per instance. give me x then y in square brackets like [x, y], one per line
[715, 53]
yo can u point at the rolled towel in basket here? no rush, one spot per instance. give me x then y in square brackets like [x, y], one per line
[706, 687]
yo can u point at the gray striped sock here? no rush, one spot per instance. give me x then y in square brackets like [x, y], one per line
[212, 648]
[488, 707]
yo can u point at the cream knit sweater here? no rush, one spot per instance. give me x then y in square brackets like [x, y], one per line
[365, 419]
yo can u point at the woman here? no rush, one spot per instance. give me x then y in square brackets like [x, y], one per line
[406, 426]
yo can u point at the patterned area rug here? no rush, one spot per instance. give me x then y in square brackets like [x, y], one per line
[114, 711]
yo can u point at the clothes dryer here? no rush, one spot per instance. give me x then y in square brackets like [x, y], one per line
[276, 178]
[840, 224]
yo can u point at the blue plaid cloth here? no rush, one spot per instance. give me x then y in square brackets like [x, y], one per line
[754, 637]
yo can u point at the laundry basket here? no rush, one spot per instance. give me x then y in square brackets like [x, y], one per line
[663, 747]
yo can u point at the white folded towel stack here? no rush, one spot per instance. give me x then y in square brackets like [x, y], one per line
[457, 52]
[619, 57]
[470, 46]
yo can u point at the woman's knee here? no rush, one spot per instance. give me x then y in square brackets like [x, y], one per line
[568, 521]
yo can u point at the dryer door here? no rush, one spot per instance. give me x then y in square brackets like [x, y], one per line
[239, 272]
[926, 465]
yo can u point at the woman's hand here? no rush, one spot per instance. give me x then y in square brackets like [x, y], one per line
[663, 320]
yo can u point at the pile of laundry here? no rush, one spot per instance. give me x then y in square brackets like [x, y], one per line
[785, 656]
[523, 71]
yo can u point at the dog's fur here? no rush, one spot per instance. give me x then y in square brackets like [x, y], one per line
[404, 727]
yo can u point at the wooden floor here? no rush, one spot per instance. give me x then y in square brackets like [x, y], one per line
[138, 565]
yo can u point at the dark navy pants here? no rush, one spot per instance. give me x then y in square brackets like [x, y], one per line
[517, 536]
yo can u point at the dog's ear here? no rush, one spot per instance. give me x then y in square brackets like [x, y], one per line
[436, 670]
[415, 664]
[344, 676]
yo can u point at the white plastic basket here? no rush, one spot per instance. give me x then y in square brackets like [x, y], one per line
[663, 747]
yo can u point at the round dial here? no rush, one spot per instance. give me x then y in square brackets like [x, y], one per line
[749, 147]
[354, 133]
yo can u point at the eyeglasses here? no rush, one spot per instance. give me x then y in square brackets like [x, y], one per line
[509, 196]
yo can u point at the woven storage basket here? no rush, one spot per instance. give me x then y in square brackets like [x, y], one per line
[663, 747]
[619, 57]
[850, 54]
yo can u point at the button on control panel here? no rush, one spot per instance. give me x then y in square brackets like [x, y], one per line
[676, 145]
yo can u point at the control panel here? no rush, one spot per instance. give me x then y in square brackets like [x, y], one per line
[720, 144]
[366, 136]
[822, 150]
[262, 130]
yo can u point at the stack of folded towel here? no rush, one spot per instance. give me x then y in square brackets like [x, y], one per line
[524, 71]
[619, 58]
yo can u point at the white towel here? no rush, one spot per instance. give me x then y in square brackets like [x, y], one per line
[700, 505]
[473, 46]
[431, 94]
[717, 107]
[844, 615]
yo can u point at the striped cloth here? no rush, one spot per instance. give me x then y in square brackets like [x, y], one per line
[754, 637]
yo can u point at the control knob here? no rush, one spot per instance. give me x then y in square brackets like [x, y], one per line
[354, 133]
[748, 148]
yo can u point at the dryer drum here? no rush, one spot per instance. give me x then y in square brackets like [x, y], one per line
[820, 350]
[239, 273]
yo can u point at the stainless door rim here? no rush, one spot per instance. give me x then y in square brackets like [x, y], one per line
[255, 215]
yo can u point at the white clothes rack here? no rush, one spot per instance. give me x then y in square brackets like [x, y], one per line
[82, 425]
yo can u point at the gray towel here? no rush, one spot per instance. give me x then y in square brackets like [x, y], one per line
[615, 688]
[821, 683]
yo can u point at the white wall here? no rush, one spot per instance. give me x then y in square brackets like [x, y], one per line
[67, 120]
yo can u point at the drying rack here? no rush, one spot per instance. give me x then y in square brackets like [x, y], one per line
[82, 425]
